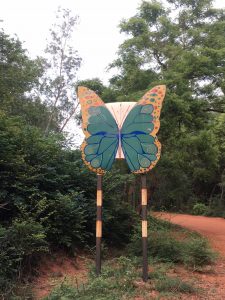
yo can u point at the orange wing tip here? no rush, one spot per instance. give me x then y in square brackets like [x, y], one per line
[161, 87]
[82, 90]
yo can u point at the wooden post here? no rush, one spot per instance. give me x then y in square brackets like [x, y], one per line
[99, 224]
[144, 226]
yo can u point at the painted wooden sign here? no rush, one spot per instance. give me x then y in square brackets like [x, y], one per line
[127, 131]
[121, 130]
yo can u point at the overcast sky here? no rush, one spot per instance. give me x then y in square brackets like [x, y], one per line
[97, 36]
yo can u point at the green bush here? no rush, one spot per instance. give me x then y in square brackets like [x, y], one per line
[119, 217]
[119, 220]
[197, 253]
[200, 209]
[65, 219]
[165, 244]
[161, 245]
[161, 242]
[20, 246]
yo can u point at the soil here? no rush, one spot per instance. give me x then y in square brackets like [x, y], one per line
[212, 279]
[58, 268]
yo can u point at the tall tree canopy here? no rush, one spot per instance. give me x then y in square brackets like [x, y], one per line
[180, 44]
[18, 73]
[19, 76]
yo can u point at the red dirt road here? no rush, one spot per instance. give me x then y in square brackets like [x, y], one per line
[212, 228]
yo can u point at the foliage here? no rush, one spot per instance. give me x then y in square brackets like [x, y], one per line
[36, 208]
[107, 94]
[18, 73]
[158, 34]
[174, 285]
[65, 219]
[169, 243]
[196, 253]
[20, 246]
[200, 209]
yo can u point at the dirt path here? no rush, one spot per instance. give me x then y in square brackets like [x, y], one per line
[214, 230]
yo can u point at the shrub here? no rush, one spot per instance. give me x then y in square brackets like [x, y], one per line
[161, 242]
[20, 246]
[196, 253]
[200, 209]
[119, 217]
[119, 220]
[170, 243]
[65, 219]
[161, 245]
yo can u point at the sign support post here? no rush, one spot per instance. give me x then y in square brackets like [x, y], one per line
[144, 226]
[99, 224]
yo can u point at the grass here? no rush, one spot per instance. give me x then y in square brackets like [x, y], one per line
[115, 282]
[171, 243]
[174, 285]
[120, 279]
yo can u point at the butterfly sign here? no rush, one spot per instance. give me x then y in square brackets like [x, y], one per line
[121, 130]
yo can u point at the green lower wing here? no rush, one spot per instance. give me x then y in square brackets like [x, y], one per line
[139, 147]
[102, 144]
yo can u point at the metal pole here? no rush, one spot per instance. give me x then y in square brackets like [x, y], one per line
[144, 226]
[99, 224]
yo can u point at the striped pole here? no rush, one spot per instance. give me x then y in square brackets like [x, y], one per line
[99, 224]
[144, 226]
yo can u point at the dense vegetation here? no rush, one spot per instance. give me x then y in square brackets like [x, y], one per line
[47, 196]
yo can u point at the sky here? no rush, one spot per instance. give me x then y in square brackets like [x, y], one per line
[97, 36]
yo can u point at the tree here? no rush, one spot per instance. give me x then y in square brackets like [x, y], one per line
[19, 76]
[192, 31]
[180, 44]
[106, 93]
[61, 65]
[18, 73]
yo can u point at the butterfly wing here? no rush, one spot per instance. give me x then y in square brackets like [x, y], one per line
[101, 132]
[140, 145]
